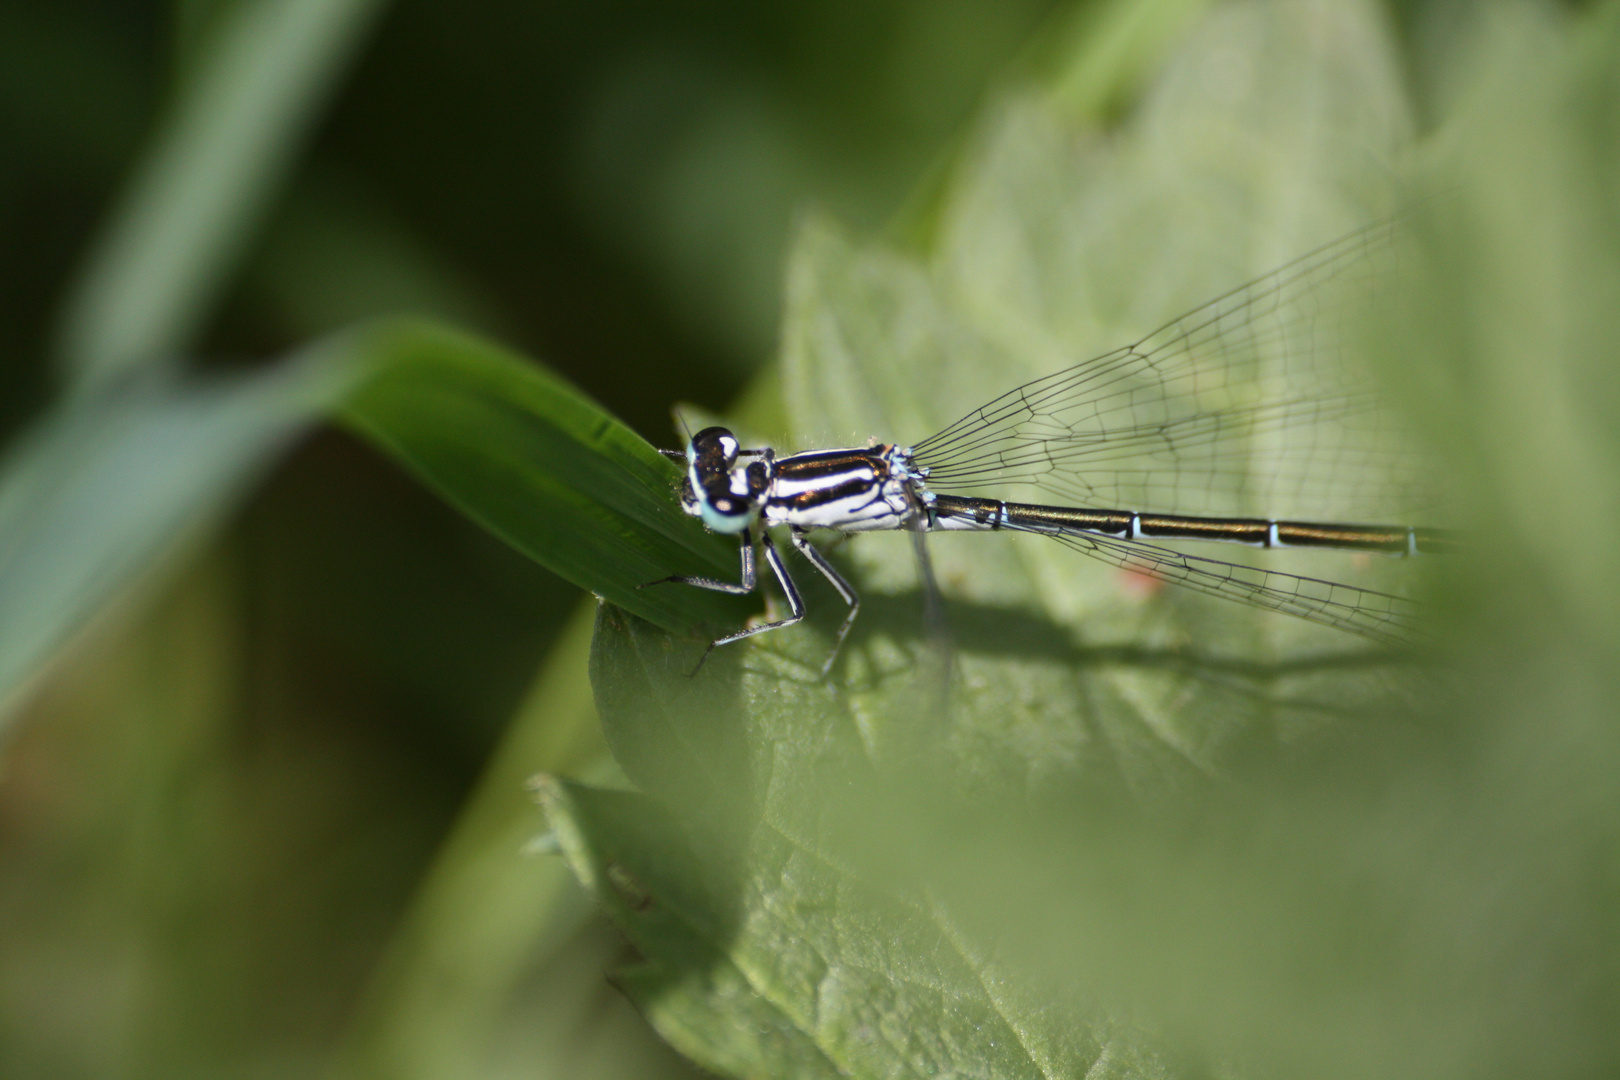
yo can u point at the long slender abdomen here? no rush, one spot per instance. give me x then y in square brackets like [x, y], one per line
[977, 515]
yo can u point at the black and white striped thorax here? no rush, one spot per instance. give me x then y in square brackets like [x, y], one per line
[851, 490]
[859, 489]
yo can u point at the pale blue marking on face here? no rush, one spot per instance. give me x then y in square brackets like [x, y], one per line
[723, 523]
[742, 508]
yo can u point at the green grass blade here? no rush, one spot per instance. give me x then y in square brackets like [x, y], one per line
[105, 483]
[540, 465]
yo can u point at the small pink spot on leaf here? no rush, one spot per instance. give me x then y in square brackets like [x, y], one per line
[1139, 581]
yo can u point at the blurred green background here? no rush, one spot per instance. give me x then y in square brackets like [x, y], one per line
[218, 805]
[242, 829]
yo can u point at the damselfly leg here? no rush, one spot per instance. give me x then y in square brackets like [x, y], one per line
[790, 589]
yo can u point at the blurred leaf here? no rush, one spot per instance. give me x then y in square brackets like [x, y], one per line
[236, 127]
[102, 487]
[765, 947]
[698, 997]
[488, 919]
[1108, 50]
[1092, 59]
[1539, 352]
[543, 467]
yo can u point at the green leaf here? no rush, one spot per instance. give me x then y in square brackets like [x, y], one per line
[926, 890]
[1268, 851]
[781, 984]
[753, 910]
[626, 876]
[543, 467]
[239, 120]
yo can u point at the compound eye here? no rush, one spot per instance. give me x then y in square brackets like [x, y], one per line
[715, 442]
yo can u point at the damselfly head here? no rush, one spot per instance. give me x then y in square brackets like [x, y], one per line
[725, 496]
[713, 447]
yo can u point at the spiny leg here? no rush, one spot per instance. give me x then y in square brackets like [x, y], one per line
[801, 540]
[795, 603]
[749, 579]
[789, 588]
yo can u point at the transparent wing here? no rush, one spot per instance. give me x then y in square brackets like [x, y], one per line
[1249, 405]
[1377, 616]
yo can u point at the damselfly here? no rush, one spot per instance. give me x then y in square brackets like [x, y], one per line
[1246, 397]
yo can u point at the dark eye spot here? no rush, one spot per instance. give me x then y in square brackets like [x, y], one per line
[715, 447]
